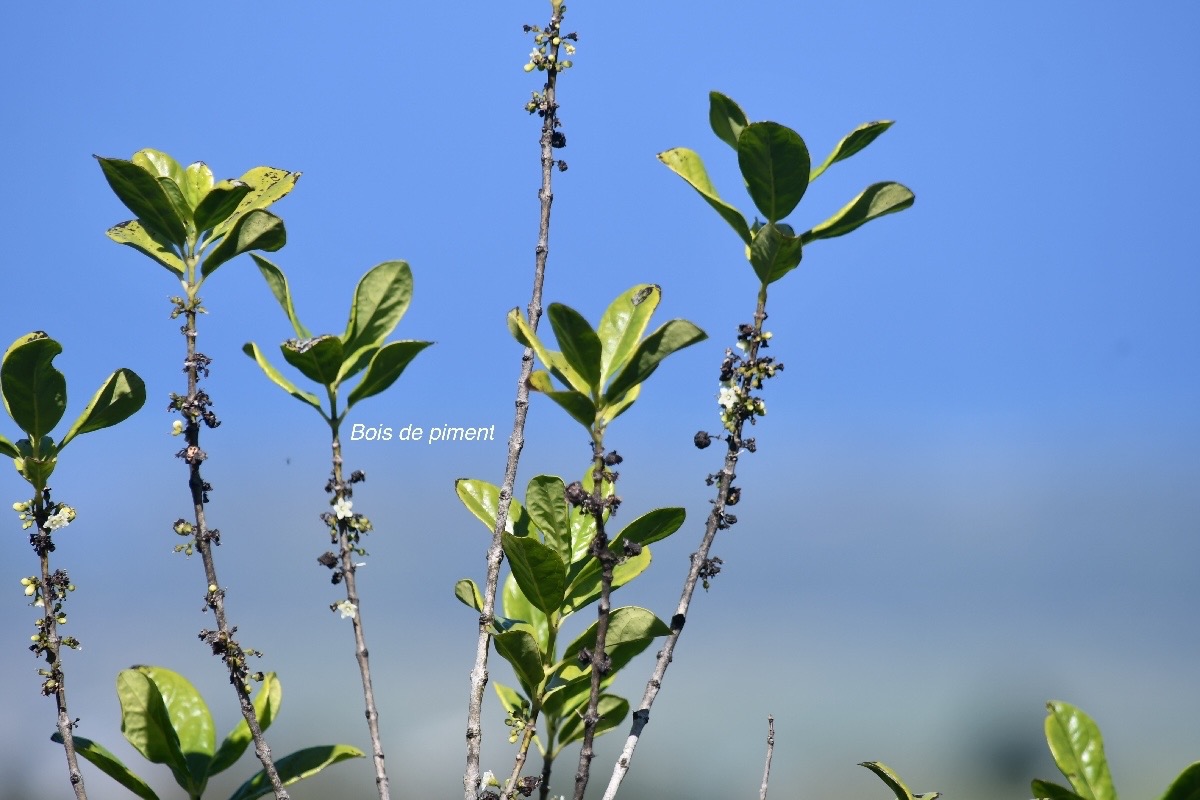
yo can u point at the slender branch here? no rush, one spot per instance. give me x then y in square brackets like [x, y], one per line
[195, 408]
[701, 565]
[762, 792]
[516, 441]
[347, 537]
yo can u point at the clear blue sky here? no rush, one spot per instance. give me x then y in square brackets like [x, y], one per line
[976, 488]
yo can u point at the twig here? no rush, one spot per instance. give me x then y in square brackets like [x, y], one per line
[548, 108]
[762, 793]
[701, 563]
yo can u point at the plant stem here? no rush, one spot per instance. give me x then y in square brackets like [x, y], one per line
[715, 522]
[516, 441]
[762, 792]
[195, 408]
[346, 550]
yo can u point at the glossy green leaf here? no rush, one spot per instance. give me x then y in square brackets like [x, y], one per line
[726, 118]
[155, 245]
[775, 165]
[190, 718]
[251, 349]
[539, 571]
[612, 709]
[179, 204]
[278, 284]
[775, 252]
[296, 767]
[580, 344]
[318, 359]
[219, 204]
[142, 194]
[380, 300]
[520, 650]
[546, 502]
[584, 585]
[894, 783]
[653, 526]
[116, 401]
[254, 230]
[102, 759]
[8, 448]
[1186, 786]
[670, 337]
[483, 500]
[1046, 790]
[851, 143]
[197, 183]
[630, 631]
[519, 612]
[1078, 750]
[617, 408]
[467, 591]
[35, 393]
[36, 467]
[385, 367]
[687, 164]
[552, 359]
[875, 201]
[578, 405]
[267, 701]
[267, 185]
[623, 325]
[147, 725]
[160, 165]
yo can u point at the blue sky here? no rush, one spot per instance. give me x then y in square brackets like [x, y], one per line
[975, 489]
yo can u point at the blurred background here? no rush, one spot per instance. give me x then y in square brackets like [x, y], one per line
[975, 490]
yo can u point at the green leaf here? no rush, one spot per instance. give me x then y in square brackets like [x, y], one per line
[35, 393]
[511, 699]
[546, 502]
[1078, 750]
[380, 300]
[116, 401]
[578, 405]
[467, 591]
[851, 143]
[1186, 786]
[622, 326]
[584, 586]
[774, 252]
[267, 701]
[318, 359]
[142, 194]
[8, 448]
[580, 344]
[251, 349]
[672, 336]
[612, 710]
[687, 164]
[873, 202]
[630, 631]
[254, 230]
[155, 245]
[296, 767]
[894, 783]
[385, 367]
[726, 118]
[775, 164]
[278, 284]
[520, 650]
[160, 165]
[179, 203]
[190, 718]
[100, 757]
[267, 184]
[147, 725]
[539, 571]
[617, 408]
[518, 611]
[36, 467]
[483, 500]
[197, 183]
[1046, 790]
[653, 526]
[219, 204]
[554, 360]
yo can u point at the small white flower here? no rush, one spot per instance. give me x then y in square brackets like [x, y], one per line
[489, 779]
[177, 427]
[728, 396]
[348, 609]
[741, 345]
[342, 509]
[60, 519]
